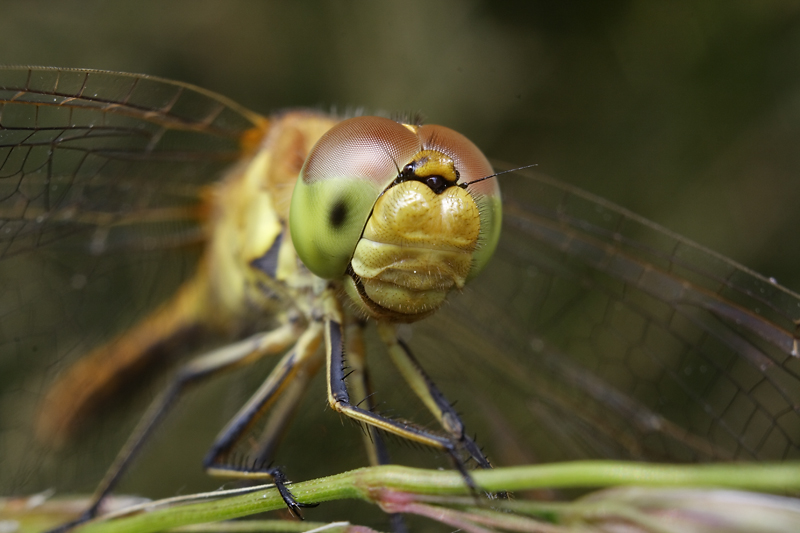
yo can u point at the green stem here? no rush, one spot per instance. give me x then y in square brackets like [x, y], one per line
[372, 484]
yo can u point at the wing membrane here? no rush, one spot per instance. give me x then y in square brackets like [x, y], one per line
[593, 333]
[99, 181]
[624, 340]
[85, 149]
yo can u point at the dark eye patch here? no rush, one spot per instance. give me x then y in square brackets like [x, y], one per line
[338, 214]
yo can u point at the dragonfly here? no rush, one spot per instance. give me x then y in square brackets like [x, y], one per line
[589, 333]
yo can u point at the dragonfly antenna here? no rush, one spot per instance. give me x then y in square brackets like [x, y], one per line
[467, 184]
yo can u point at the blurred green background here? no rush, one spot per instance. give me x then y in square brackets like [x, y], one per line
[685, 112]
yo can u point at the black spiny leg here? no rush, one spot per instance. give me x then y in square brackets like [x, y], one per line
[432, 397]
[288, 377]
[361, 387]
[195, 371]
[339, 400]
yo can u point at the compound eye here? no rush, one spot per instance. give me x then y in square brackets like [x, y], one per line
[345, 172]
[354, 162]
[471, 165]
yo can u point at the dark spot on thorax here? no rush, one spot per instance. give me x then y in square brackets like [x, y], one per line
[268, 263]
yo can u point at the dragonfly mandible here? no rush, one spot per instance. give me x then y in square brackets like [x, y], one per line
[592, 333]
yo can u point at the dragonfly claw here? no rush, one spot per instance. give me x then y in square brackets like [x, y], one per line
[279, 478]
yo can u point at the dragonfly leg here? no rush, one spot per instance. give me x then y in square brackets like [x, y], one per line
[283, 411]
[283, 387]
[361, 387]
[193, 372]
[339, 400]
[424, 387]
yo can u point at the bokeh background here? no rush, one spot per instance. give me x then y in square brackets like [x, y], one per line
[685, 112]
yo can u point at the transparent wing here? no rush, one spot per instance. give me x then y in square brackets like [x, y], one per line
[100, 180]
[596, 333]
[593, 333]
[89, 149]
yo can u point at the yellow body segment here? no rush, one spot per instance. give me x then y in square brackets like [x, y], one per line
[417, 246]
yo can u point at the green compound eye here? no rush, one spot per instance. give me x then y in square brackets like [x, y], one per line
[389, 200]
[342, 178]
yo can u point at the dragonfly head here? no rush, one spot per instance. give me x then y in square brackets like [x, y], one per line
[398, 211]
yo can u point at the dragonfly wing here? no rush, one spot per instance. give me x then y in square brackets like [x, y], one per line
[93, 150]
[596, 333]
[101, 178]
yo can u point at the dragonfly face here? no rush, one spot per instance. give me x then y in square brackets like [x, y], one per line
[403, 239]
[591, 333]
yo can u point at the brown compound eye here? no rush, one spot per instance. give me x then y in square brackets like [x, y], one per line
[343, 176]
[352, 165]
[468, 166]
[468, 160]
